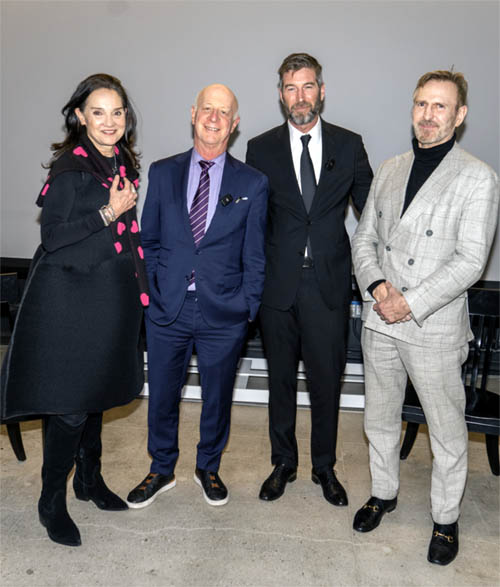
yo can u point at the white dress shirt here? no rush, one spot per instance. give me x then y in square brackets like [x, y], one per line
[315, 149]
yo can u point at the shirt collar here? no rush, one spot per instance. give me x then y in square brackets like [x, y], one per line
[219, 161]
[315, 133]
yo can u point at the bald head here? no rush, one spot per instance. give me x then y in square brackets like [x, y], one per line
[214, 116]
[220, 88]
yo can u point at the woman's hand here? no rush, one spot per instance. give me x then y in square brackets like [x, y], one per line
[122, 200]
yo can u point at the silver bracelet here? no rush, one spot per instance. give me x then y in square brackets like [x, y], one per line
[111, 212]
[108, 213]
[103, 216]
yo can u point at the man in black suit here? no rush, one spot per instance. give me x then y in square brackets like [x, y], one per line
[313, 167]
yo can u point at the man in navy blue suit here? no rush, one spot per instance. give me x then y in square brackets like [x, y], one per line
[203, 236]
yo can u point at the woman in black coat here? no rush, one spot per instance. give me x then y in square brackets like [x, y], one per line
[75, 350]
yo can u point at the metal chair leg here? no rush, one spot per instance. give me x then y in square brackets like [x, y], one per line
[14, 432]
[492, 450]
[409, 440]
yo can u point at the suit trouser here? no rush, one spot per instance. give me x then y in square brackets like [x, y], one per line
[169, 352]
[436, 377]
[311, 330]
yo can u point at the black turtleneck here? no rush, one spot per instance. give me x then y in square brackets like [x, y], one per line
[426, 160]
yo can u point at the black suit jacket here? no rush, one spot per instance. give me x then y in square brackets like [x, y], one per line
[345, 172]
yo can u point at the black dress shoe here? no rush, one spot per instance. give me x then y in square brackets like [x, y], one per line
[149, 489]
[214, 490]
[443, 547]
[369, 516]
[274, 486]
[332, 489]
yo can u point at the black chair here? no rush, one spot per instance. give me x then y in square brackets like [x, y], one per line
[9, 302]
[482, 412]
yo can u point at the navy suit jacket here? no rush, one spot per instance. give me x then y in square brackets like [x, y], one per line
[229, 262]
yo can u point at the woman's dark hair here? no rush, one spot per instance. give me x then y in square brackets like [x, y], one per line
[78, 99]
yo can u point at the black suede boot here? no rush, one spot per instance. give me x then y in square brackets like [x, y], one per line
[60, 444]
[88, 482]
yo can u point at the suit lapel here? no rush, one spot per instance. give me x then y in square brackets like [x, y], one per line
[227, 187]
[284, 162]
[398, 188]
[329, 154]
[181, 195]
[426, 196]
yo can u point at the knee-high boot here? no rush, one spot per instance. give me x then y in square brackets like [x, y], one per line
[88, 482]
[60, 445]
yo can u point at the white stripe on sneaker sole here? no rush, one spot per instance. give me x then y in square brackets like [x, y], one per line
[143, 504]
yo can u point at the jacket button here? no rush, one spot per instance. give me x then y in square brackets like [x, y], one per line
[387, 248]
[429, 232]
[411, 261]
[301, 253]
[404, 289]
[309, 223]
[380, 214]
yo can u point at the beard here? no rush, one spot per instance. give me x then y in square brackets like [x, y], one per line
[299, 118]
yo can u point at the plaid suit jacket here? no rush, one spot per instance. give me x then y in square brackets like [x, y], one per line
[435, 252]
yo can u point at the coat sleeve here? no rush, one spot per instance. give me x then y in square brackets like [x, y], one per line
[253, 254]
[365, 242]
[250, 158]
[57, 230]
[150, 223]
[363, 176]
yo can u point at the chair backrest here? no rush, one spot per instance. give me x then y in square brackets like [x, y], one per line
[477, 367]
[9, 289]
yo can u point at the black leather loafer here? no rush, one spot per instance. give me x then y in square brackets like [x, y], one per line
[443, 547]
[274, 486]
[214, 490]
[149, 489]
[369, 516]
[332, 488]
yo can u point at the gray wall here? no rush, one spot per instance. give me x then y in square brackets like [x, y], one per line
[164, 52]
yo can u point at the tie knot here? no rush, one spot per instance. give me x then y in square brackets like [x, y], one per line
[205, 165]
[305, 140]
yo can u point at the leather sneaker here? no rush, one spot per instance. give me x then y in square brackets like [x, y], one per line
[149, 489]
[443, 547]
[369, 516]
[274, 486]
[332, 489]
[214, 490]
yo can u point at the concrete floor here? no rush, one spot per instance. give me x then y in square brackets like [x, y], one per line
[297, 540]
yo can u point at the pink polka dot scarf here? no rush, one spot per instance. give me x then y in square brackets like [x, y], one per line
[125, 230]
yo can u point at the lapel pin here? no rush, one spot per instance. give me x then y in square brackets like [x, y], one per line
[227, 199]
[330, 164]
[241, 198]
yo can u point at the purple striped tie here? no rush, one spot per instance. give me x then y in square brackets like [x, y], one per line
[199, 207]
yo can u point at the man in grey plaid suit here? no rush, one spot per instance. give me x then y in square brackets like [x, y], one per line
[422, 241]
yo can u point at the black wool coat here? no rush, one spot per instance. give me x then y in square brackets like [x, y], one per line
[76, 342]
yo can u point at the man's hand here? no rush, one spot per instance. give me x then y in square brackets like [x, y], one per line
[380, 292]
[393, 307]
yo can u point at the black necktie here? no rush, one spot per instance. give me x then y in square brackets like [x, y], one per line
[307, 177]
